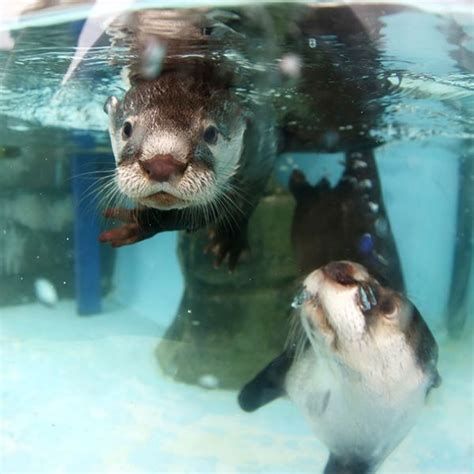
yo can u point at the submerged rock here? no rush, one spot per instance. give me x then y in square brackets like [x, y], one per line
[230, 323]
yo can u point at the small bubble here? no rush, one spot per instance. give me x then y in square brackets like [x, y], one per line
[373, 206]
[312, 43]
[152, 58]
[381, 227]
[359, 164]
[299, 299]
[45, 292]
[290, 65]
[367, 298]
[189, 311]
[350, 179]
[381, 258]
[208, 381]
[365, 184]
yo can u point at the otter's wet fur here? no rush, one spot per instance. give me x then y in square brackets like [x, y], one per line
[190, 151]
[359, 363]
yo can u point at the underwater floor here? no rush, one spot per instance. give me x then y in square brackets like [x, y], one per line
[86, 395]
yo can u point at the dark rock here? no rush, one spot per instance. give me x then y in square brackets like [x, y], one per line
[229, 324]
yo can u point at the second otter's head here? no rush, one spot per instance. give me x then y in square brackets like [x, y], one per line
[177, 141]
[349, 316]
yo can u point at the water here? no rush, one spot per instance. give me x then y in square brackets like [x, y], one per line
[145, 380]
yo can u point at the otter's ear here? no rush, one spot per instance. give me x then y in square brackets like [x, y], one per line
[111, 105]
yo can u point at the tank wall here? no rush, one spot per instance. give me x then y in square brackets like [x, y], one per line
[414, 176]
[148, 279]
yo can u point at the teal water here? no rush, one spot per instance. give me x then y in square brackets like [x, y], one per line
[86, 394]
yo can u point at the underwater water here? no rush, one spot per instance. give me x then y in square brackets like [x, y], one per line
[131, 359]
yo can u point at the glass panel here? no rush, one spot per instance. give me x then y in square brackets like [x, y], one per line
[235, 237]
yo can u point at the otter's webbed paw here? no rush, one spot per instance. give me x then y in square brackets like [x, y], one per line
[228, 245]
[138, 225]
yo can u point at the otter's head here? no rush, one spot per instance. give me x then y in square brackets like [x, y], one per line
[177, 141]
[347, 312]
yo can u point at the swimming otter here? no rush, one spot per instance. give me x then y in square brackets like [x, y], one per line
[189, 150]
[359, 363]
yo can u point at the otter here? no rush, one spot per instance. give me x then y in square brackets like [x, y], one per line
[359, 363]
[190, 151]
[188, 154]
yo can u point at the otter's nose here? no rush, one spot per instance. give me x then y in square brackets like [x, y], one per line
[341, 272]
[162, 167]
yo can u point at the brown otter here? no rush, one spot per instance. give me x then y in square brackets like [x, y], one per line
[188, 165]
[189, 150]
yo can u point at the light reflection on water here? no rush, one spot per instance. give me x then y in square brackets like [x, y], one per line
[427, 87]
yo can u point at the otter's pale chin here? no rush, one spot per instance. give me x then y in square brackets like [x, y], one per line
[163, 200]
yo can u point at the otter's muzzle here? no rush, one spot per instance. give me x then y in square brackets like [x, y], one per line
[340, 272]
[162, 168]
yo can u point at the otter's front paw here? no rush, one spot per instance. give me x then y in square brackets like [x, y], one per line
[134, 228]
[227, 246]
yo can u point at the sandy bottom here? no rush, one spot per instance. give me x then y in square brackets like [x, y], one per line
[86, 395]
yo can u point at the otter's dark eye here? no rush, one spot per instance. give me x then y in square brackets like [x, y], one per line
[387, 306]
[127, 130]
[207, 30]
[210, 135]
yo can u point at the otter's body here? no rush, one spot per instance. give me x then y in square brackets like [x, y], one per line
[361, 418]
[359, 363]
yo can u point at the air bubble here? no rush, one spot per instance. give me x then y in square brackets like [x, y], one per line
[366, 298]
[300, 298]
[208, 381]
[365, 184]
[381, 227]
[359, 164]
[373, 206]
[290, 65]
[46, 292]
